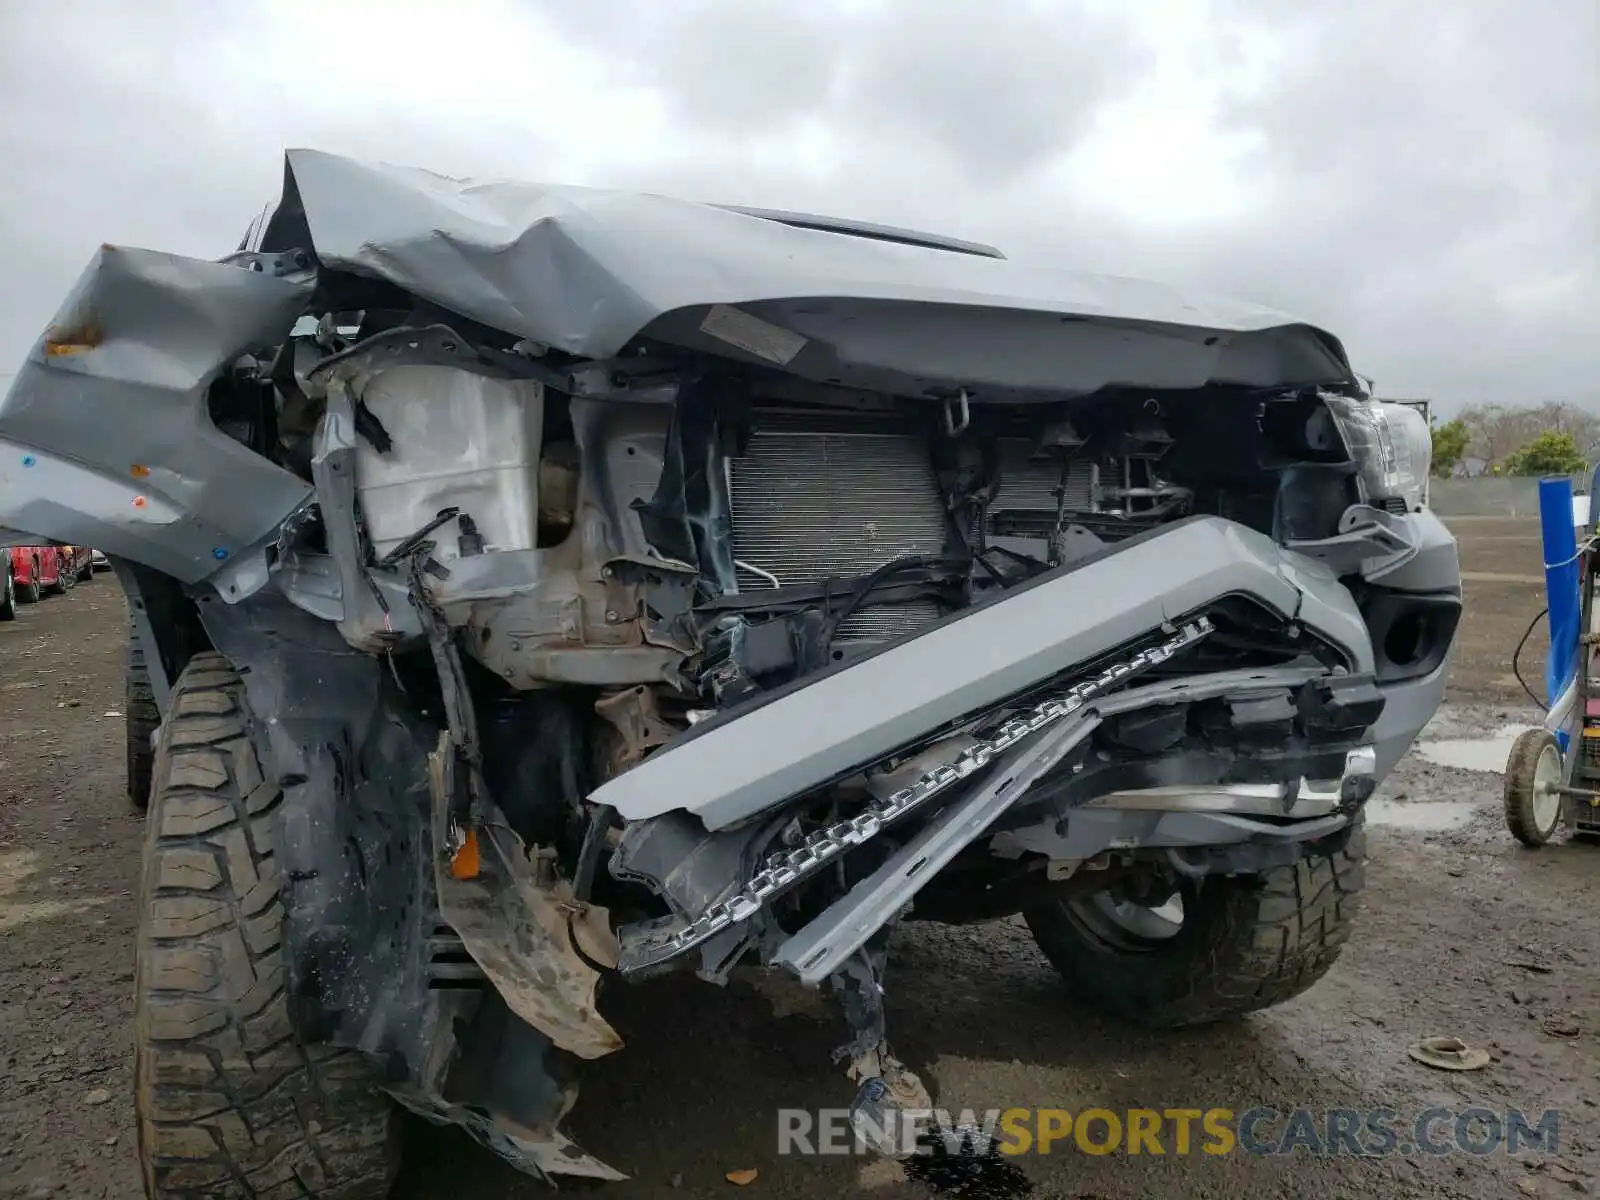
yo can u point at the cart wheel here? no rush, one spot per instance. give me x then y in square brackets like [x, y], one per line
[1533, 773]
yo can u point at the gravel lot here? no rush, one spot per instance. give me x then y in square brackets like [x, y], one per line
[1464, 934]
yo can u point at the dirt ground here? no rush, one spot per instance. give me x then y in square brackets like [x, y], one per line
[1463, 933]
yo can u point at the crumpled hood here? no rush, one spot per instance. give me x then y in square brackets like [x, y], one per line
[105, 438]
[588, 270]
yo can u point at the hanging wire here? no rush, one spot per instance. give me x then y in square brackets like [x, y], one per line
[1516, 654]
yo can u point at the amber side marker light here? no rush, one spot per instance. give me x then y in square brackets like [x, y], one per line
[465, 864]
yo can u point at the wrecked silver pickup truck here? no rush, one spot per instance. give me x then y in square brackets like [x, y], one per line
[538, 588]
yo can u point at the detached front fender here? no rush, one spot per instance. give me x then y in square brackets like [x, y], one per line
[105, 438]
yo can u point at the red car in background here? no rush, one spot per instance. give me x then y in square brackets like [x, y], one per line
[77, 562]
[34, 571]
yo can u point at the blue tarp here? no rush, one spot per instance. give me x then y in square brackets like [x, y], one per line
[1560, 582]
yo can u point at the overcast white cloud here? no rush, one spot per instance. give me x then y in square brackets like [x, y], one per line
[1422, 178]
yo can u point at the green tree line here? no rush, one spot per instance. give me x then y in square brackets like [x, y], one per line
[1501, 439]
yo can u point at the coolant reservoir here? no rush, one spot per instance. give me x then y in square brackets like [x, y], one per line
[459, 440]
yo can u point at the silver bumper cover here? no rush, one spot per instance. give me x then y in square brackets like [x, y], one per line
[731, 776]
[742, 763]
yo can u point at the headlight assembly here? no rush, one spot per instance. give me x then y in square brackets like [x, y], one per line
[1392, 448]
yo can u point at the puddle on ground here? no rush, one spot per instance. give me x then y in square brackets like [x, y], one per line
[1487, 753]
[1426, 816]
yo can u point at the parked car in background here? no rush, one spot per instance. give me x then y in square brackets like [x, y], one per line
[58, 575]
[77, 563]
[8, 591]
[33, 571]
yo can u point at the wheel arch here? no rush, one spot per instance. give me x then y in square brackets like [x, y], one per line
[166, 623]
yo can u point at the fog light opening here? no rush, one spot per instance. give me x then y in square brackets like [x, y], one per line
[1409, 639]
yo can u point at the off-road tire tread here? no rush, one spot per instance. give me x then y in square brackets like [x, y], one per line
[1518, 793]
[142, 718]
[31, 592]
[8, 596]
[228, 1102]
[1261, 940]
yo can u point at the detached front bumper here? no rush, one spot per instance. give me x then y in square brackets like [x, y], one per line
[1186, 752]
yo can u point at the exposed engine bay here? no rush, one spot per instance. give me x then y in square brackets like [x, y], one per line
[710, 635]
[759, 529]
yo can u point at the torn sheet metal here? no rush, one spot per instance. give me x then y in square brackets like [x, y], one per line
[523, 931]
[784, 869]
[819, 949]
[543, 1153]
[500, 1087]
[104, 436]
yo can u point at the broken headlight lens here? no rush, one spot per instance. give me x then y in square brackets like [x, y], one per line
[1391, 445]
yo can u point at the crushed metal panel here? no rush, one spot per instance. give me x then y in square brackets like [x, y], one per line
[104, 436]
[586, 270]
[541, 1153]
[819, 950]
[522, 932]
[783, 869]
[733, 766]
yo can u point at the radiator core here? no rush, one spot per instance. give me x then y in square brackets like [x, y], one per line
[812, 505]
[1029, 484]
[808, 507]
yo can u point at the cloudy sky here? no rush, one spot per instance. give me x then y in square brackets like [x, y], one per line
[1420, 176]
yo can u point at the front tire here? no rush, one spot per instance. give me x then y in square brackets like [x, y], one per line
[8, 594]
[141, 718]
[30, 591]
[228, 1102]
[1237, 944]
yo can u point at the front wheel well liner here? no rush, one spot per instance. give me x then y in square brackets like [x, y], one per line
[164, 620]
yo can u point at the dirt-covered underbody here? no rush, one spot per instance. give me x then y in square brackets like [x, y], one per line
[570, 632]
